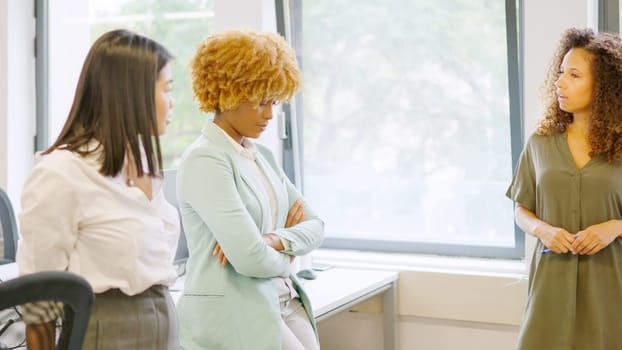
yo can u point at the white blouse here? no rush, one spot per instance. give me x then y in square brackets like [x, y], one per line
[75, 219]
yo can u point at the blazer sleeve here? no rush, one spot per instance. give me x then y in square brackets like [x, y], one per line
[305, 236]
[207, 183]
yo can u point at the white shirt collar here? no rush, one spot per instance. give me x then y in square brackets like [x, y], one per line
[247, 149]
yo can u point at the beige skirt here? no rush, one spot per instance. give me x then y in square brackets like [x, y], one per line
[145, 321]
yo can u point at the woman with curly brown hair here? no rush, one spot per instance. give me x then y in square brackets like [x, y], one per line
[568, 193]
[243, 218]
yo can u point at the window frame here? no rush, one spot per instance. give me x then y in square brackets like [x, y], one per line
[609, 16]
[287, 11]
[41, 137]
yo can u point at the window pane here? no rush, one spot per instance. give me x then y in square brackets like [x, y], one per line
[178, 25]
[406, 119]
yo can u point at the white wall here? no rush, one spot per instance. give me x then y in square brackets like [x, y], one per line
[544, 23]
[258, 15]
[17, 94]
[4, 36]
[67, 32]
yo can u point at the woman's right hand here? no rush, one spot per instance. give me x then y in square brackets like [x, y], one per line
[143, 183]
[275, 242]
[555, 238]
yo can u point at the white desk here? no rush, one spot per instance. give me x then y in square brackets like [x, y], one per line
[338, 289]
[333, 291]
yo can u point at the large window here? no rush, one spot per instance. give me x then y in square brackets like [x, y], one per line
[409, 122]
[71, 26]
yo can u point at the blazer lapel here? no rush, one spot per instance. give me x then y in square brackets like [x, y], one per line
[253, 183]
[213, 133]
[279, 193]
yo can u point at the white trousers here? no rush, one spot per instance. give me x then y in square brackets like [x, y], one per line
[296, 329]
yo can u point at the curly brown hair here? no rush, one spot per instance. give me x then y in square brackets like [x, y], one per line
[235, 66]
[605, 125]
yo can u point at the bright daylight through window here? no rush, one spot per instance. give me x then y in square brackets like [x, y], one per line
[406, 122]
[178, 25]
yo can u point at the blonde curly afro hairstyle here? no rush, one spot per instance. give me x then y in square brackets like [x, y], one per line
[235, 66]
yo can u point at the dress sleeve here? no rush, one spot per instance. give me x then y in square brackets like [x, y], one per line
[522, 189]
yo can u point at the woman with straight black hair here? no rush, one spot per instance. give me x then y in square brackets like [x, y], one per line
[94, 204]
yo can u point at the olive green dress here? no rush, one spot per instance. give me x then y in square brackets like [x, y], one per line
[575, 301]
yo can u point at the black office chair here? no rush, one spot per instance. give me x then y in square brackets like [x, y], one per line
[73, 290]
[9, 228]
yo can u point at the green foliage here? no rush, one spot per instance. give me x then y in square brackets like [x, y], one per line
[427, 79]
[406, 112]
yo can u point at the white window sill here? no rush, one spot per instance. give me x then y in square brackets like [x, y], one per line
[516, 269]
[492, 291]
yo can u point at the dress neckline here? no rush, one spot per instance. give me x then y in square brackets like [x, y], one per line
[570, 157]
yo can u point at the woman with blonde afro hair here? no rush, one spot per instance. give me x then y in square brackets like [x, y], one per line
[244, 220]
[568, 193]
[237, 66]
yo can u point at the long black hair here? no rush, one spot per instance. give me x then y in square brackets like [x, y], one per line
[114, 102]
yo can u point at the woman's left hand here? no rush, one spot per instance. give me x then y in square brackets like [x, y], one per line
[296, 214]
[220, 255]
[132, 180]
[596, 237]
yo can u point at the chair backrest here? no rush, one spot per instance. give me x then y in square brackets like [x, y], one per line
[170, 192]
[9, 228]
[74, 291]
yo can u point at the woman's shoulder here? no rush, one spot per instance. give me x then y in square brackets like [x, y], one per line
[535, 139]
[202, 147]
[267, 154]
[59, 159]
[204, 152]
[61, 167]
[264, 150]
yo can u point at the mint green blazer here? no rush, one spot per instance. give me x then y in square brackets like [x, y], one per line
[235, 307]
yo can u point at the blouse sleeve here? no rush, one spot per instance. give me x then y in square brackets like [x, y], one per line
[522, 189]
[48, 222]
